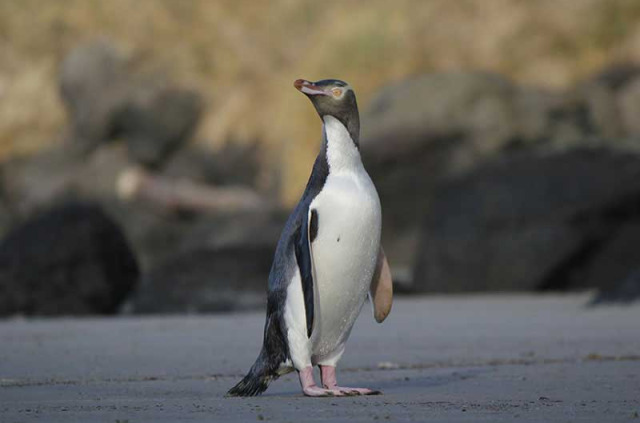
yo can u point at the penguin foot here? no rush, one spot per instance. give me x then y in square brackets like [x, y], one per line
[315, 391]
[328, 374]
[310, 389]
[355, 391]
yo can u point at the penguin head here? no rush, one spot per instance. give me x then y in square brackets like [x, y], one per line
[332, 97]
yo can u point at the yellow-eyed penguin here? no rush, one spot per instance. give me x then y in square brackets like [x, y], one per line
[327, 259]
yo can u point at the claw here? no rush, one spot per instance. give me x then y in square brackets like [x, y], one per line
[314, 391]
[356, 391]
[349, 393]
[329, 382]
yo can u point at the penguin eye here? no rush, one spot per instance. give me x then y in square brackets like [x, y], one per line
[337, 92]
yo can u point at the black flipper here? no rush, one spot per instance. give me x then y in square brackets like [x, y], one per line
[307, 232]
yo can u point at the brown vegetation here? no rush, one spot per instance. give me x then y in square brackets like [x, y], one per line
[243, 55]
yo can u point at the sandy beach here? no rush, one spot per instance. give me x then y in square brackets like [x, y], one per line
[458, 358]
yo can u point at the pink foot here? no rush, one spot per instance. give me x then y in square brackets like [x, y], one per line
[314, 391]
[329, 382]
[310, 389]
[355, 391]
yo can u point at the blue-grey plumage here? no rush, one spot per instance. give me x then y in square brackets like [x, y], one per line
[292, 252]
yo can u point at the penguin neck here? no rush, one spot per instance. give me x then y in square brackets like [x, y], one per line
[341, 149]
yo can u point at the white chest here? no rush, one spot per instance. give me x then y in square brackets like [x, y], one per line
[344, 251]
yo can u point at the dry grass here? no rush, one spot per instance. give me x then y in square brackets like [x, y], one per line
[243, 55]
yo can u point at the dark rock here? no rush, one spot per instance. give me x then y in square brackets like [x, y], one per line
[610, 102]
[623, 291]
[157, 237]
[233, 164]
[155, 121]
[486, 111]
[32, 183]
[214, 263]
[93, 80]
[107, 100]
[36, 182]
[236, 230]
[617, 76]
[6, 219]
[6, 214]
[437, 106]
[70, 260]
[532, 221]
[154, 236]
[615, 270]
[206, 280]
[619, 255]
[421, 131]
[629, 106]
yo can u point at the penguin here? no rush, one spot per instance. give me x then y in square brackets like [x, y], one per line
[327, 260]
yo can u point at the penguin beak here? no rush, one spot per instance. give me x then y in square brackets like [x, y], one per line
[308, 88]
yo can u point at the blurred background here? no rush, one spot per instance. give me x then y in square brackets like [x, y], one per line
[150, 150]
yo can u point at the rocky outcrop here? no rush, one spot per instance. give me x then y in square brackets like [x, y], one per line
[421, 131]
[531, 221]
[92, 80]
[612, 101]
[485, 185]
[219, 264]
[206, 280]
[108, 100]
[35, 183]
[70, 260]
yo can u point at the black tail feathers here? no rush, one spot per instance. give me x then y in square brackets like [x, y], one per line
[268, 366]
[255, 382]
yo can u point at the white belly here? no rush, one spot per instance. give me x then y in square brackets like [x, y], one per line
[344, 256]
